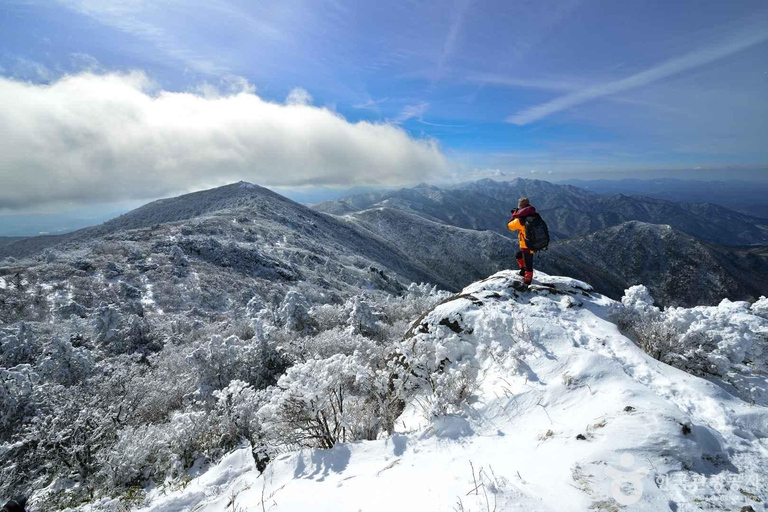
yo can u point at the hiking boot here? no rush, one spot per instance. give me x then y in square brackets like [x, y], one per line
[521, 272]
[528, 277]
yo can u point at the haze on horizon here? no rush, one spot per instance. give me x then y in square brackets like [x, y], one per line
[106, 103]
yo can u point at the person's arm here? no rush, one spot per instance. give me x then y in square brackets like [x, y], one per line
[514, 225]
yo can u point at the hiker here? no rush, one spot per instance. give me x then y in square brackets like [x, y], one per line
[520, 217]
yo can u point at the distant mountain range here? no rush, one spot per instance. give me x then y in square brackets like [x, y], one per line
[743, 196]
[680, 270]
[570, 211]
[686, 253]
[446, 236]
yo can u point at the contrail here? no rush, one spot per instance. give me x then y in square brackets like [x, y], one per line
[671, 67]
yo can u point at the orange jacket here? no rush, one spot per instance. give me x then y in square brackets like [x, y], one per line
[516, 225]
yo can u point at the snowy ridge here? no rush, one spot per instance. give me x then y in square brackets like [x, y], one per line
[565, 413]
[569, 211]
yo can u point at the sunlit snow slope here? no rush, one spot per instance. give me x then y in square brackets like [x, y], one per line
[566, 414]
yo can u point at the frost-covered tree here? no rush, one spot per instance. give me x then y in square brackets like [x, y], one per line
[63, 363]
[318, 403]
[361, 318]
[237, 408]
[15, 350]
[107, 322]
[17, 386]
[294, 312]
[160, 451]
[222, 360]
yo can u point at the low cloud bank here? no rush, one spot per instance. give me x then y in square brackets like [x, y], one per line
[98, 138]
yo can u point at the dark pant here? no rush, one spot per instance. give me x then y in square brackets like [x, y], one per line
[527, 258]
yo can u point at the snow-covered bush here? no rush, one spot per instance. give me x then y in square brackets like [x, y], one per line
[262, 318]
[64, 364]
[16, 389]
[451, 387]
[108, 322]
[636, 306]
[329, 316]
[760, 307]
[438, 368]
[361, 318]
[339, 340]
[237, 408]
[15, 350]
[121, 332]
[417, 299]
[161, 451]
[319, 403]
[701, 340]
[294, 312]
[141, 392]
[66, 439]
[112, 270]
[221, 360]
[438, 362]
[72, 308]
[180, 261]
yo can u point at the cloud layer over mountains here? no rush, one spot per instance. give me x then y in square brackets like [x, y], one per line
[96, 138]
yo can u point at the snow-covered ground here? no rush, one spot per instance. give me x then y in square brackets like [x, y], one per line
[566, 414]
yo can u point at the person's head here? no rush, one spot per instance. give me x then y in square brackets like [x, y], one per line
[523, 202]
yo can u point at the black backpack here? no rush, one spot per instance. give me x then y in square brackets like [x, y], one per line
[536, 233]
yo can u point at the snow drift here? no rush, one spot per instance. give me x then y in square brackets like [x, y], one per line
[557, 410]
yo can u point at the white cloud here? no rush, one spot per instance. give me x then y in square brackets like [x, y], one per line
[131, 17]
[466, 174]
[524, 83]
[458, 15]
[26, 69]
[371, 104]
[298, 96]
[173, 28]
[84, 62]
[228, 85]
[410, 111]
[99, 138]
[669, 68]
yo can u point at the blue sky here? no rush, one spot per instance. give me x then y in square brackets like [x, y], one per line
[560, 88]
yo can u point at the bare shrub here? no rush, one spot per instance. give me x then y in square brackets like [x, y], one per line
[656, 337]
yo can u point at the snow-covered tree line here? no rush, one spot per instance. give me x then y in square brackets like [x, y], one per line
[106, 384]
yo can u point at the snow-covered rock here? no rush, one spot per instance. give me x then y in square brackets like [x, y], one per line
[563, 412]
